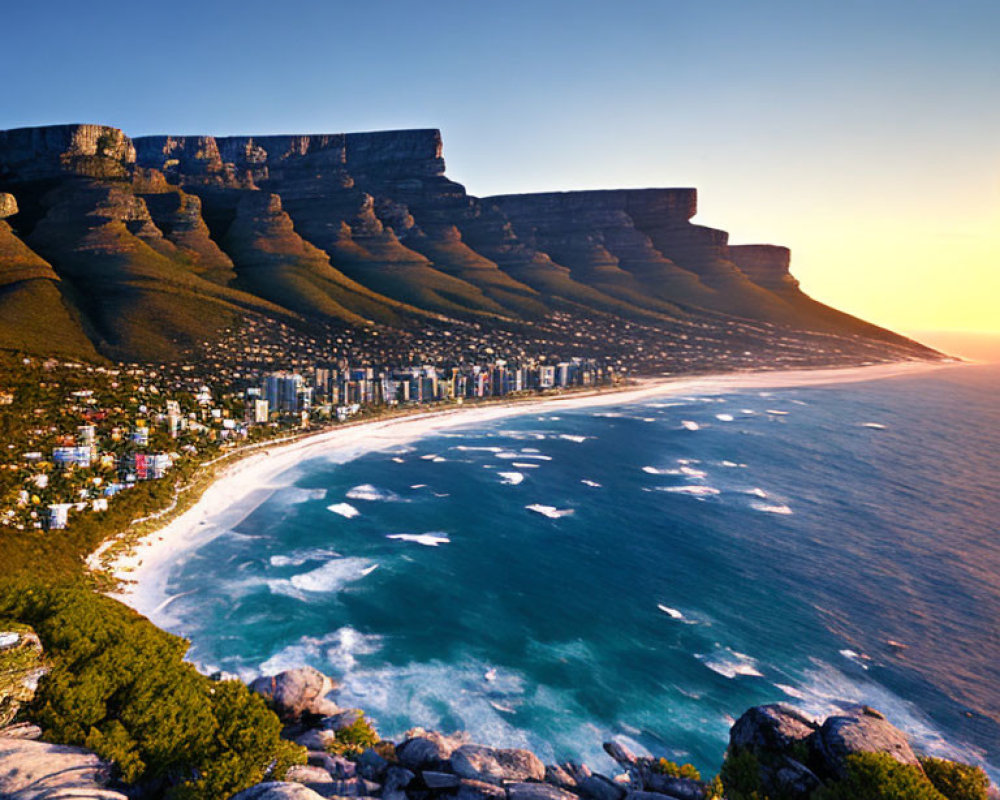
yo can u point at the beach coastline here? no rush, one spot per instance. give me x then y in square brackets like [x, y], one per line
[142, 573]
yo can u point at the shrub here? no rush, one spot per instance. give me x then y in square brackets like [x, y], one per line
[354, 739]
[120, 687]
[956, 781]
[740, 776]
[878, 776]
[666, 767]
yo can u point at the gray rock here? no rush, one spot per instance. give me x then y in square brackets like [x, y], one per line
[440, 780]
[620, 753]
[771, 728]
[537, 791]
[422, 752]
[681, 788]
[479, 790]
[371, 765]
[32, 770]
[792, 779]
[295, 692]
[863, 731]
[598, 787]
[397, 778]
[277, 790]
[308, 775]
[480, 763]
[642, 795]
[341, 719]
[315, 739]
[557, 775]
[8, 205]
[577, 771]
[394, 794]
[22, 730]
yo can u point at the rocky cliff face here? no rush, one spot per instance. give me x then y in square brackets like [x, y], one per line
[152, 238]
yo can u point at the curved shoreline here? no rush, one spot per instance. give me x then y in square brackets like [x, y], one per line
[243, 486]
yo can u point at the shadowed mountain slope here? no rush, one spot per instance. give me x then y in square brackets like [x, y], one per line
[139, 249]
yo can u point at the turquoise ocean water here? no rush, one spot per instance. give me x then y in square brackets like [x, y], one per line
[643, 571]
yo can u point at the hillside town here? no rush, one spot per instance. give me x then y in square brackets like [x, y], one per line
[92, 432]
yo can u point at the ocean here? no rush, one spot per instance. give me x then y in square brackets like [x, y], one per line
[642, 571]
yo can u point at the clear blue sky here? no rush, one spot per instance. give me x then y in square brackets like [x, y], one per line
[864, 134]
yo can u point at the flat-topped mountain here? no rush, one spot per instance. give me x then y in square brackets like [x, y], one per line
[140, 248]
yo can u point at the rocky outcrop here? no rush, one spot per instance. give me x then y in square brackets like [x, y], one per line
[766, 265]
[864, 731]
[56, 151]
[489, 765]
[278, 790]
[8, 205]
[297, 692]
[32, 770]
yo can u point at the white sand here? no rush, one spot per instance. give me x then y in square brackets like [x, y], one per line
[250, 481]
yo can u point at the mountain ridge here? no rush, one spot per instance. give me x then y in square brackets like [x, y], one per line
[159, 242]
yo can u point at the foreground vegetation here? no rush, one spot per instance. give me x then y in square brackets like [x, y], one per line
[120, 687]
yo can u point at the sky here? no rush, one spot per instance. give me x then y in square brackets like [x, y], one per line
[863, 135]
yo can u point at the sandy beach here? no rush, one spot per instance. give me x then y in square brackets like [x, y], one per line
[248, 482]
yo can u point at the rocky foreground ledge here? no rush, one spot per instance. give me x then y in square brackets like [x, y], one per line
[782, 753]
[774, 752]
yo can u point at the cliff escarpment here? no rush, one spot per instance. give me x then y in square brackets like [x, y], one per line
[143, 247]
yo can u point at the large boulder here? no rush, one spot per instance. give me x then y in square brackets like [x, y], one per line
[598, 787]
[277, 790]
[297, 692]
[771, 728]
[492, 765]
[32, 770]
[863, 730]
[479, 790]
[679, 788]
[780, 739]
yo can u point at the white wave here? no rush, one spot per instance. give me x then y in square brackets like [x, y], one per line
[730, 664]
[296, 494]
[733, 465]
[426, 539]
[300, 557]
[688, 461]
[593, 484]
[530, 450]
[508, 454]
[418, 486]
[569, 437]
[747, 411]
[673, 613]
[338, 649]
[791, 691]
[511, 478]
[776, 412]
[829, 691]
[549, 511]
[468, 448]
[658, 471]
[724, 417]
[524, 465]
[874, 425]
[856, 657]
[438, 459]
[398, 460]
[331, 577]
[691, 472]
[344, 509]
[757, 492]
[771, 508]
[372, 494]
[609, 414]
[697, 491]
[690, 425]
